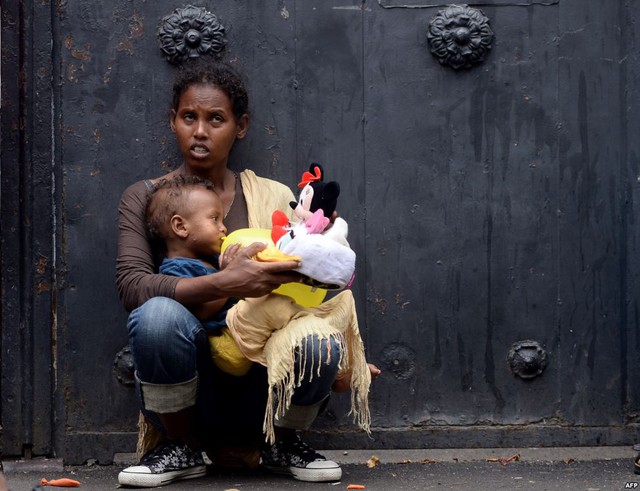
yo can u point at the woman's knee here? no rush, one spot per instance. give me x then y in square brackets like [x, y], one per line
[163, 329]
[327, 350]
[162, 318]
[322, 355]
[316, 367]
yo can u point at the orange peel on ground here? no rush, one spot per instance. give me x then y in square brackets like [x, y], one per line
[63, 483]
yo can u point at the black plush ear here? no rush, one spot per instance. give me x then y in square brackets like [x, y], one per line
[319, 172]
[330, 193]
[331, 190]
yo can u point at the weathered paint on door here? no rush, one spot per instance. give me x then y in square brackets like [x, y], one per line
[487, 206]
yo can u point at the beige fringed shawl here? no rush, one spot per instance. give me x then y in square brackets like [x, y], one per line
[269, 329]
[263, 197]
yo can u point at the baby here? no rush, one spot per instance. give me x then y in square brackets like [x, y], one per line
[186, 215]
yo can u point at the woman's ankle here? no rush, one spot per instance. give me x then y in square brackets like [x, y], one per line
[284, 434]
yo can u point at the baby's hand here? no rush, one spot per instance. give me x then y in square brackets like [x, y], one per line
[375, 371]
[227, 256]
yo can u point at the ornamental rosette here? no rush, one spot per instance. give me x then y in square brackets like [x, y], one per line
[190, 32]
[459, 36]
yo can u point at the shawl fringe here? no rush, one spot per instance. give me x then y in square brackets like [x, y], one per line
[270, 330]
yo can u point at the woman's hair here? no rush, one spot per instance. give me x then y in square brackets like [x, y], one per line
[167, 198]
[206, 70]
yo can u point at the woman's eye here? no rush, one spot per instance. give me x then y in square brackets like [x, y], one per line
[189, 117]
[216, 118]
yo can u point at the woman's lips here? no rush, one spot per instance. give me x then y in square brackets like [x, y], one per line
[199, 150]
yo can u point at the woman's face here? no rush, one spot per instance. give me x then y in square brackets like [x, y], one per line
[206, 128]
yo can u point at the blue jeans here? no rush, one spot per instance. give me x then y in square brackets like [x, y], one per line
[174, 370]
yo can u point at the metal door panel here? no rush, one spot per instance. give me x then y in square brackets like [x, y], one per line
[469, 238]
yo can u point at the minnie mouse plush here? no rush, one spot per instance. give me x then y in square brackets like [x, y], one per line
[325, 252]
[318, 199]
[316, 204]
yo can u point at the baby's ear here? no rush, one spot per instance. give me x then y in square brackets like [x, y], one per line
[179, 226]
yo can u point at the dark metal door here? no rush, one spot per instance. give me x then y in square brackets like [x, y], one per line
[492, 208]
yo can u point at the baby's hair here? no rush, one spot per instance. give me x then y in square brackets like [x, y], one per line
[167, 198]
[205, 70]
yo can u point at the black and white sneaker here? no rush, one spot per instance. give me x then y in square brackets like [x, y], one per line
[166, 463]
[297, 459]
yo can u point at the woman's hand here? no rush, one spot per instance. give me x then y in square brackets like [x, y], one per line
[332, 219]
[239, 276]
[246, 277]
[344, 384]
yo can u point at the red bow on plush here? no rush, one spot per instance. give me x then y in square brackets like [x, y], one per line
[308, 177]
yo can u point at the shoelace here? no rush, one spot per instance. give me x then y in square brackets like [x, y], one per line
[157, 453]
[304, 450]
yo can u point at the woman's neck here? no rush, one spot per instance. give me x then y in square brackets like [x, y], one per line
[222, 179]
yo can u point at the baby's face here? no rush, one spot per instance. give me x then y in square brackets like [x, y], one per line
[206, 228]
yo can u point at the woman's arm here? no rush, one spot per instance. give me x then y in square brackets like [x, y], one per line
[136, 279]
[241, 277]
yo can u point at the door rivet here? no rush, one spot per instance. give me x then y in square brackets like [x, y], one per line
[459, 36]
[190, 32]
[400, 360]
[527, 359]
[123, 367]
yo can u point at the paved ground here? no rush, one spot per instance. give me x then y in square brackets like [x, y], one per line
[584, 468]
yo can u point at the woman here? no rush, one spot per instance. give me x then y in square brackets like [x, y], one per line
[193, 403]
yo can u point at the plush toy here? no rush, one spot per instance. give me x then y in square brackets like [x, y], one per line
[326, 256]
[316, 204]
[318, 199]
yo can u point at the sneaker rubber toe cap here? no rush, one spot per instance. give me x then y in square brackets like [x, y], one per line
[318, 471]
